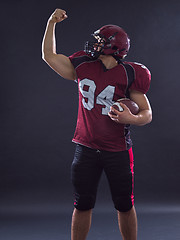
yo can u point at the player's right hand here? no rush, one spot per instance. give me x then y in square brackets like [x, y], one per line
[58, 16]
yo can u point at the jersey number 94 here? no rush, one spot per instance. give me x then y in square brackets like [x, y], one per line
[87, 88]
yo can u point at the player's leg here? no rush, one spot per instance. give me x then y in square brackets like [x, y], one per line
[128, 224]
[119, 171]
[86, 173]
[81, 223]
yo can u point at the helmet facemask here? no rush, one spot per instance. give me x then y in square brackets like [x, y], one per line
[95, 48]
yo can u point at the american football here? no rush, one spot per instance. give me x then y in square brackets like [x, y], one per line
[133, 107]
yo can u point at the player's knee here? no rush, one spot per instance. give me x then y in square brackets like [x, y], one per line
[84, 202]
[123, 204]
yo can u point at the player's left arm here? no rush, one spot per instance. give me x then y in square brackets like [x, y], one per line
[126, 117]
[145, 112]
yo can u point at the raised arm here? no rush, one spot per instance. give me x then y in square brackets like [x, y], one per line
[58, 62]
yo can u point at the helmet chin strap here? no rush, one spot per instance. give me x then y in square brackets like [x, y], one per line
[118, 59]
[97, 54]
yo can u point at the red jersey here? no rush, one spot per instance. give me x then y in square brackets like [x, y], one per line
[99, 88]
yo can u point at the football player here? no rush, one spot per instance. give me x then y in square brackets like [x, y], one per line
[102, 138]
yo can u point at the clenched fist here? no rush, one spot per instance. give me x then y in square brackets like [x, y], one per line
[58, 16]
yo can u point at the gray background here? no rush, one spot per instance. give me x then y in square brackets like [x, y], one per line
[38, 108]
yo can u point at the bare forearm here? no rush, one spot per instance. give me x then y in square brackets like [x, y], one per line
[126, 117]
[142, 118]
[49, 41]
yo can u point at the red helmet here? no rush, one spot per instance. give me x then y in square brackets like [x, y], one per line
[111, 40]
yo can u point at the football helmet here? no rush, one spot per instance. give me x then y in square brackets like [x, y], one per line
[109, 40]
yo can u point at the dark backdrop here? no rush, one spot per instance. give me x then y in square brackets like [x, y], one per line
[39, 108]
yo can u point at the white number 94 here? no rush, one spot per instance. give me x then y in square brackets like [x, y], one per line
[87, 88]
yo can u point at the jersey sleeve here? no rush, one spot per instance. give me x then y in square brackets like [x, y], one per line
[77, 58]
[142, 79]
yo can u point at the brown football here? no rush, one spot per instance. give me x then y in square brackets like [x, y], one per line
[133, 107]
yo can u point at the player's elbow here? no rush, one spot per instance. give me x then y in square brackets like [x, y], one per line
[43, 56]
[47, 54]
[47, 57]
[149, 115]
[144, 118]
[44, 53]
[148, 118]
